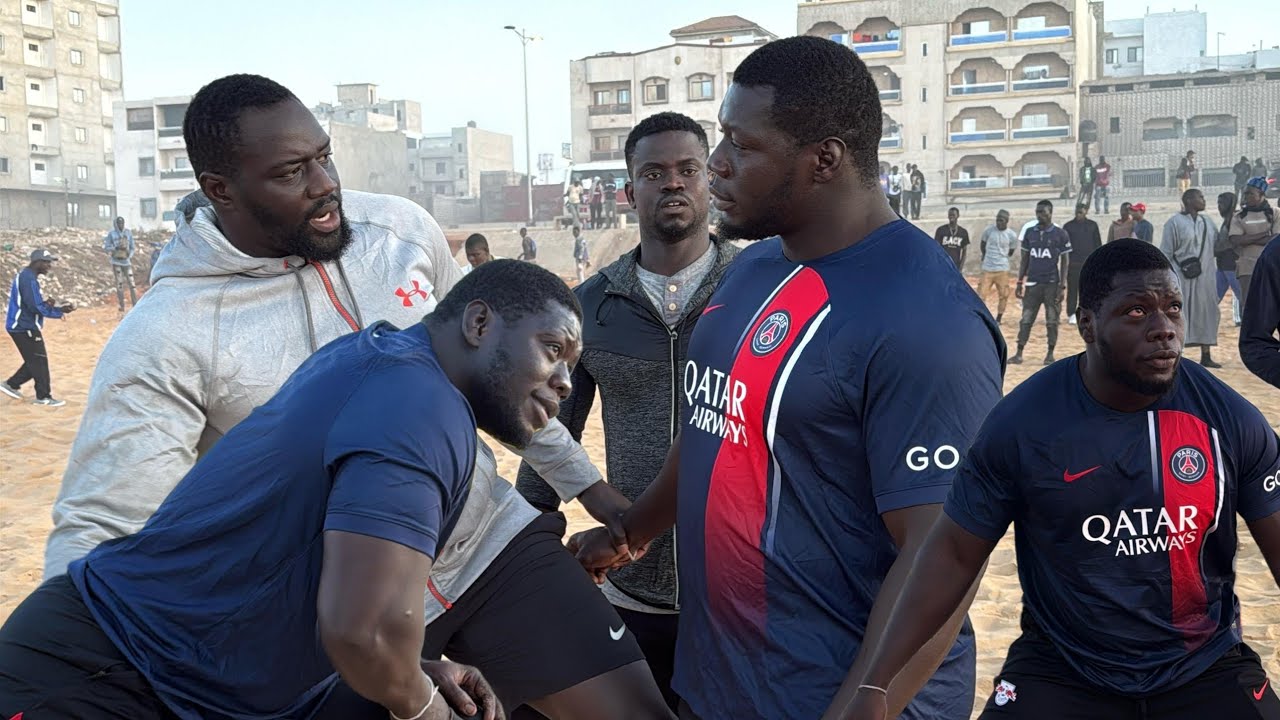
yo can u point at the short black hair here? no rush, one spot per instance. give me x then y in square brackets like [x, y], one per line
[1082, 206]
[1044, 203]
[1113, 258]
[953, 207]
[476, 240]
[513, 288]
[660, 123]
[821, 89]
[211, 127]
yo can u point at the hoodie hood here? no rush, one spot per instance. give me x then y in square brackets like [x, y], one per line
[200, 250]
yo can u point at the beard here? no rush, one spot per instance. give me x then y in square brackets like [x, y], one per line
[1130, 379]
[672, 230]
[300, 239]
[767, 222]
[496, 413]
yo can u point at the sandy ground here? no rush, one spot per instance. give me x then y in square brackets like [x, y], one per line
[34, 442]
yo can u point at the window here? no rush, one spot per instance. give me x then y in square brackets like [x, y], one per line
[1212, 126]
[146, 167]
[172, 115]
[1030, 169]
[1, 44]
[924, 94]
[1113, 56]
[1035, 72]
[701, 87]
[82, 172]
[624, 96]
[412, 167]
[73, 209]
[73, 18]
[601, 97]
[969, 125]
[37, 127]
[35, 86]
[4, 124]
[1, 83]
[1115, 126]
[459, 147]
[82, 135]
[1039, 120]
[140, 119]
[181, 163]
[710, 130]
[1031, 23]
[39, 167]
[978, 27]
[1135, 54]
[602, 143]
[968, 77]
[1165, 128]
[924, 142]
[77, 95]
[77, 57]
[439, 168]
[924, 49]
[148, 207]
[655, 91]
[104, 211]
[462, 173]
[33, 47]
[4, 165]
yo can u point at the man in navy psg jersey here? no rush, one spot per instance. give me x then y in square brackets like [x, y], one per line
[833, 384]
[1123, 470]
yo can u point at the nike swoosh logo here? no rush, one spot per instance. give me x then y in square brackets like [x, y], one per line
[713, 307]
[1072, 477]
[617, 634]
[1258, 695]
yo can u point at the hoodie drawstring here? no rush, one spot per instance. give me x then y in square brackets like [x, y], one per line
[302, 288]
[355, 305]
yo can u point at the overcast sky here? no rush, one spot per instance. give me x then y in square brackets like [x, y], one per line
[454, 57]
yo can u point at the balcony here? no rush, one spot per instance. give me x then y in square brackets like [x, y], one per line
[177, 180]
[109, 158]
[1048, 33]
[987, 38]
[45, 150]
[607, 155]
[892, 142]
[979, 88]
[1032, 180]
[39, 32]
[876, 47]
[108, 122]
[982, 183]
[891, 96]
[1040, 84]
[109, 83]
[1042, 133]
[177, 174]
[614, 109]
[976, 136]
[108, 8]
[108, 45]
[42, 110]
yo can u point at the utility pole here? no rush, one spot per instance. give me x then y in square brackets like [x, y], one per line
[525, 39]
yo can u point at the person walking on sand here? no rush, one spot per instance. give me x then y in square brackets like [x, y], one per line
[118, 244]
[24, 321]
[1188, 243]
[998, 245]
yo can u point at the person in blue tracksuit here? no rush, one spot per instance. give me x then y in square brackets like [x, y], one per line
[24, 321]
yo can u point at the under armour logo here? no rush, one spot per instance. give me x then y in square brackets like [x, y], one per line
[407, 295]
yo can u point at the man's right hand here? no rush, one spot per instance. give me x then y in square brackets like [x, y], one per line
[67, 307]
[594, 548]
[1019, 291]
[867, 705]
[607, 505]
[463, 690]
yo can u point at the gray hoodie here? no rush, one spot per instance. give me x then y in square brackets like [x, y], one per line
[219, 332]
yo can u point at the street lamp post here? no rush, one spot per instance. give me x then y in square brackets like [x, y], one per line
[528, 153]
[1220, 51]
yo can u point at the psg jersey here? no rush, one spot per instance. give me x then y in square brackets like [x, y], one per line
[820, 395]
[1125, 522]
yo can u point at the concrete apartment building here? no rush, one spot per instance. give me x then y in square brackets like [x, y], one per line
[1171, 43]
[612, 91]
[984, 99]
[152, 172]
[60, 73]
[1146, 124]
[451, 163]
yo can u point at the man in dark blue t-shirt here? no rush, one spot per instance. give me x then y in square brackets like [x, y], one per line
[1123, 470]
[297, 551]
[833, 384]
[1042, 278]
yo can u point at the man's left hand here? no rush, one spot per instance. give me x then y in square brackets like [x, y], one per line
[607, 505]
[464, 688]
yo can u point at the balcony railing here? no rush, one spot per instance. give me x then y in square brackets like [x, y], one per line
[978, 88]
[177, 174]
[1057, 131]
[877, 46]
[982, 183]
[44, 150]
[1032, 180]
[1061, 31]
[606, 155]
[890, 95]
[986, 38]
[1041, 84]
[891, 142]
[615, 109]
[976, 136]
[169, 132]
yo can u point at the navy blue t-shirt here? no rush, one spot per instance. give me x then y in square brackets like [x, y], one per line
[1045, 246]
[1125, 522]
[214, 600]
[820, 395]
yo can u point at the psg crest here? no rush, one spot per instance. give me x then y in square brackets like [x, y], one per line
[771, 333]
[1188, 464]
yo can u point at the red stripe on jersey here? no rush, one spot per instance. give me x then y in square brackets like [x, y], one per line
[737, 497]
[1189, 480]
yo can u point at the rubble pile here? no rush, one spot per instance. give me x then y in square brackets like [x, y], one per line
[82, 274]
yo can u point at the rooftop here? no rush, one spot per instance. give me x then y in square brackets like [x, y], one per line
[722, 23]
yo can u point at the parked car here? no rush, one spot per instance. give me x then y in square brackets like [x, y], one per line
[1273, 182]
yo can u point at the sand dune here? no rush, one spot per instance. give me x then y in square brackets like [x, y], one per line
[34, 443]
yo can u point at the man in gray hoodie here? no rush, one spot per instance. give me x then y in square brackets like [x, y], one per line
[280, 263]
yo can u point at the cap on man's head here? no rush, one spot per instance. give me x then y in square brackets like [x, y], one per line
[1140, 207]
[1258, 183]
[42, 254]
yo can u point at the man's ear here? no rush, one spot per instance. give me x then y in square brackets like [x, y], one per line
[1088, 326]
[477, 322]
[831, 153]
[217, 189]
[630, 192]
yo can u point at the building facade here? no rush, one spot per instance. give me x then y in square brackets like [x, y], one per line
[1172, 43]
[1146, 124]
[152, 171]
[983, 99]
[60, 74]
[451, 163]
[611, 92]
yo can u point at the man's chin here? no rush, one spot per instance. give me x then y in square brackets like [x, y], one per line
[326, 247]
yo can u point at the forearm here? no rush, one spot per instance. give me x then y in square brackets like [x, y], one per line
[654, 512]
[1022, 268]
[901, 650]
[383, 664]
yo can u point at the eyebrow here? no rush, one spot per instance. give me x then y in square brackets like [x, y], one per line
[654, 164]
[327, 146]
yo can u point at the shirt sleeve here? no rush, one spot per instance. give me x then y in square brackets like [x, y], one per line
[30, 296]
[1258, 474]
[964, 238]
[922, 407]
[984, 496]
[1064, 241]
[1260, 319]
[400, 454]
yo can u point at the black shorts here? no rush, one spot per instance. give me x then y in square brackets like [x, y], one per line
[57, 664]
[1037, 683]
